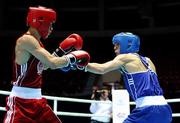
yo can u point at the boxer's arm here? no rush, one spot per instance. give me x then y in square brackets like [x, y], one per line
[31, 45]
[103, 68]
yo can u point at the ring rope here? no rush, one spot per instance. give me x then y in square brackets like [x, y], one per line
[56, 99]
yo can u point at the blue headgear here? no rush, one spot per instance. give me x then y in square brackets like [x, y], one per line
[129, 43]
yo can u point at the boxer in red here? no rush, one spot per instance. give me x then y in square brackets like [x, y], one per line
[25, 103]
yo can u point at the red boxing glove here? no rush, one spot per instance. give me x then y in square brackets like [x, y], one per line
[72, 42]
[80, 58]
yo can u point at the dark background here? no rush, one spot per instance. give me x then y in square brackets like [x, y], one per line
[155, 21]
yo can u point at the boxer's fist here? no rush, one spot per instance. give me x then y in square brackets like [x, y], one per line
[72, 42]
[80, 58]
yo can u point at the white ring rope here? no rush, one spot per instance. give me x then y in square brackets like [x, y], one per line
[56, 99]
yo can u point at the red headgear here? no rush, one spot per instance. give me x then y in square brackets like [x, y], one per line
[41, 19]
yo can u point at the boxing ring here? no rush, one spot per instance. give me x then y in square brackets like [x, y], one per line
[76, 114]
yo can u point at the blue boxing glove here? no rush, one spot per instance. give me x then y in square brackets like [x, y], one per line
[77, 67]
[65, 69]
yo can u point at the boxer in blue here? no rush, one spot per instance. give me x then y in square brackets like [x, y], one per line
[140, 78]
